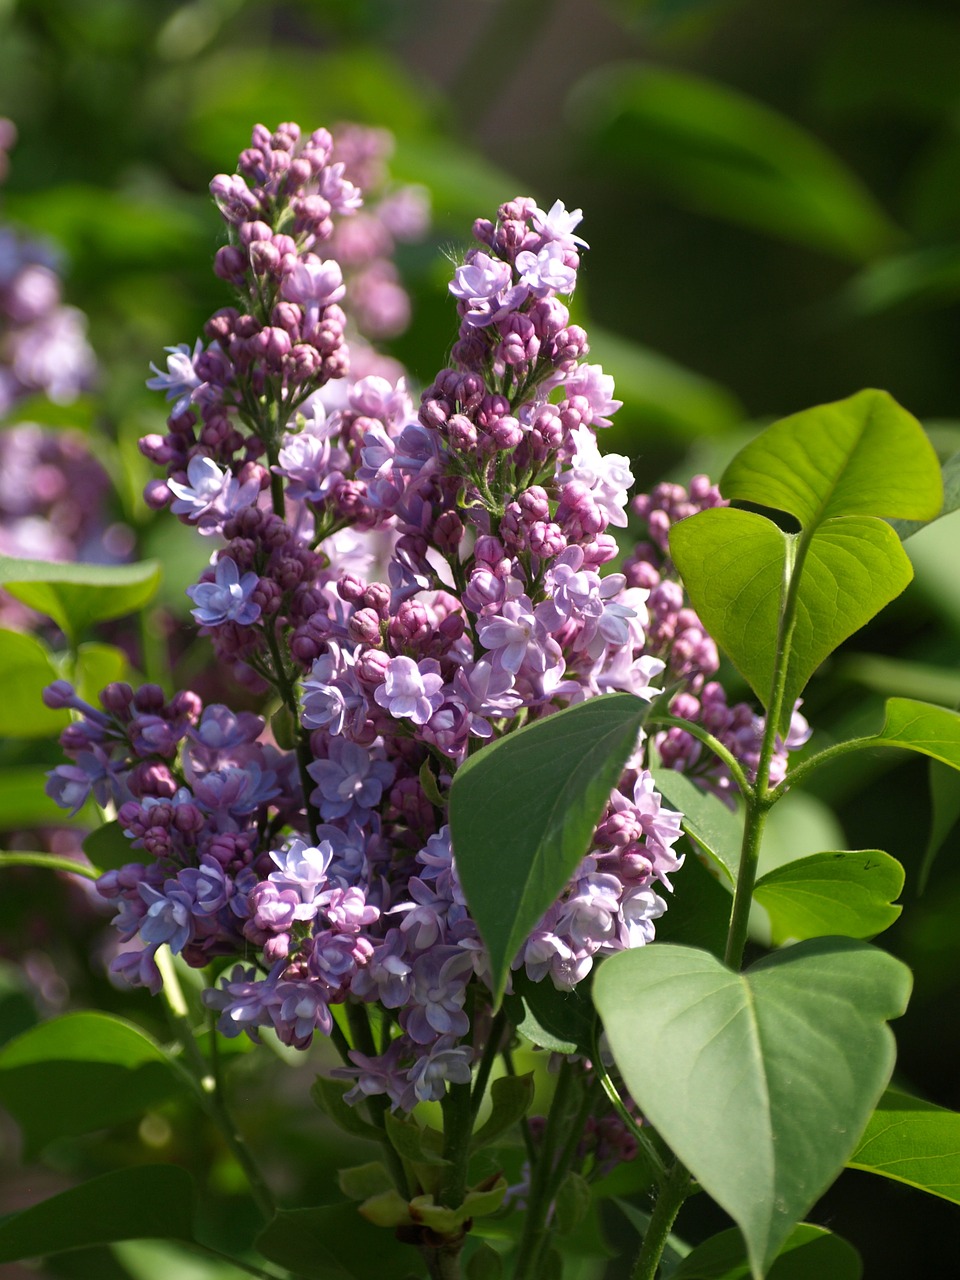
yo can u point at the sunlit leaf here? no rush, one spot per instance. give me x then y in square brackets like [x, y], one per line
[27, 669]
[81, 1072]
[917, 726]
[732, 157]
[912, 1141]
[522, 812]
[846, 893]
[141, 1202]
[97, 666]
[835, 468]
[782, 1064]
[951, 499]
[77, 595]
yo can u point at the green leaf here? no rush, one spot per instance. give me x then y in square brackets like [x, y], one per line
[109, 849]
[782, 1065]
[333, 1242]
[363, 1180]
[97, 666]
[27, 667]
[328, 1095]
[734, 565]
[511, 1097]
[846, 893]
[861, 456]
[81, 1072]
[483, 1264]
[77, 595]
[917, 726]
[407, 1138]
[945, 798]
[573, 1202]
[835, 468]
[809, 1251]
[715, 828]
[699, 908]
[561, 1021]
[731, 157]
[149, 1201]
[912, 1141]
[523, 810]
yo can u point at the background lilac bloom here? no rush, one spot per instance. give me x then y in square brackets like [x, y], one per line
[227, 598]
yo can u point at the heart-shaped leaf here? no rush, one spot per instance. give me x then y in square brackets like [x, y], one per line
[523, 810]
[736, 565]
[917, 726]
[912, 1141]
[781, 1065]
[861, 456]
[809, 1251]
[77, 595]
[847, 893]
[140, 1203]
[81, 1072]
[768, 596]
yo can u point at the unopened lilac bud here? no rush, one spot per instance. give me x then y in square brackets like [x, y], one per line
[569, 346]
[448, 531]
[483, 230]
[264, 258]
[222, 324]
[433, 414]
[534, 503]
[287, 316]
[148, 779]
[117, 698]
[462, 434]
[488, 550]
[149, 698]
[600, 550]
[304, 362]
[59, 695]
[350, 587]
[372, 666]
[156, 448]
[546, 539]
[230, 264]
[156, 495]
[411, 625]
[377, 596]
[549, 316]
[364, 626]
[250, 232]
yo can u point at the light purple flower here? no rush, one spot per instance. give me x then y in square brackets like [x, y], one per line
[350, 781]
[444, 1061]
[227, 598]
[181, 379]
[510, 634]
[411, 690]
[303, 869]
[546, 272]
[558, 224]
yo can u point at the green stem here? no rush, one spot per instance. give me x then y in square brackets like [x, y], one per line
[541, 1171]
[525, 1129]
[50, 861]
[490, 1051]
[642, 1138]
[304, 754]
[673, 1192]
[457, 1127]
[807, 766]
[702, 735]
[207, 1081]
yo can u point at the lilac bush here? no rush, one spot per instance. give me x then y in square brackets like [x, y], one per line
[426, 811]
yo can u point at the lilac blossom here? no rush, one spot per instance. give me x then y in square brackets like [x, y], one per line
[181, 379]
[210, 494]
[350, 781]
[411, 690]
[227, 598]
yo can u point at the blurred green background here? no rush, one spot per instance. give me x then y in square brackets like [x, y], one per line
[771, 193]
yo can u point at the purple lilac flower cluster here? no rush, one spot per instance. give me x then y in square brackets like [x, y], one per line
[410, 583]
[43, 346]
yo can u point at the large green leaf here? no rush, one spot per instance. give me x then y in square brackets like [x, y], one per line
[333, 1242]
[27, 668]
[912, 1141]
[781, 1065]
[861, 456]
[731, 157]
[735, 565]
[129, 1204]
[77, 595]
[846, 893]
[917, 726]
[836, 468]
[81, 1072]
[522, 812]
[809, 1251]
